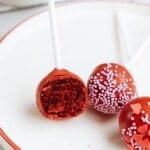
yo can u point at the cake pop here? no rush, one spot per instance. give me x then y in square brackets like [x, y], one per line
[134, 122]
[110, 87]
[61, 94]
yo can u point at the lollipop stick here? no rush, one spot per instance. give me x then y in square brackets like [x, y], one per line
[54, 34]
[136, 56]
[138, 53]
[120, 39]
[124, 49]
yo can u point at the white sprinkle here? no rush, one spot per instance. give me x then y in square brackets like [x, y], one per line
[123, 130]
[96, 91]
[101, 80]
[134, 124]
[127, 80]
[95, 77]
[143, 112]
[146, 119]
[132, 127]
[116, 66]
[130, 134]
[91, 77]
[122, 76]
[129, 129]
[148, 103]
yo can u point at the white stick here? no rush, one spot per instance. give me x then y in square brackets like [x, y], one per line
[138, 53]
[124, 48]
[54, 32]
[129, 64]
[121, 44]
[136, 56]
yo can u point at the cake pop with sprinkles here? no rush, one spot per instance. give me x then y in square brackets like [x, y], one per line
[134, 122]
[110, 87]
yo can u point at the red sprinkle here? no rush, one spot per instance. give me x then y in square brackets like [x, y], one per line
[61, 95]
[110, 87]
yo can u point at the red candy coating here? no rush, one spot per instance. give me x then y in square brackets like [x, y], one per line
[61, 94]
[110, 87]
[134, 121]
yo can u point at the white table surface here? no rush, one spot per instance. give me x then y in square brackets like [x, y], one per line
[12, 18]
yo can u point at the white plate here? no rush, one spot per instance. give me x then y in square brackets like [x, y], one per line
[88, 37]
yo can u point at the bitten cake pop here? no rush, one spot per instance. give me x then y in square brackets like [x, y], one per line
[61, 94]
[134, 121]
[110, 87]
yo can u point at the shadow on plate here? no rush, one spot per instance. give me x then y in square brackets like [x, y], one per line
[98, 116]
[115, 138]
[33, 113]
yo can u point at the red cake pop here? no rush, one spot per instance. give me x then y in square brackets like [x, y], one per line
[134, 121]
[110, 87]
[61, 94]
